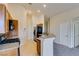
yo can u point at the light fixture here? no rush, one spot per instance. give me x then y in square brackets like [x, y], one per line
[44, 5]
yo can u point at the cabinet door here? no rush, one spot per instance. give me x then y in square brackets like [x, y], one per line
[8, 17]
[76, 32]
[9, 53]
[7, 21]
[65, 34]
[2, 19]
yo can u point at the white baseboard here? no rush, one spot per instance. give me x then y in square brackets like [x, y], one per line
[63, 44]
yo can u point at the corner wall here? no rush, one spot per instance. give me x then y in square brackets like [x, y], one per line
[60, 18]
[19, 13]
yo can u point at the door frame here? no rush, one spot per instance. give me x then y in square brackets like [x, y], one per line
[73, 22]
[65, 35]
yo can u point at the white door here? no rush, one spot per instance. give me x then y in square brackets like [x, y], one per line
[64, 34]
[76, 34]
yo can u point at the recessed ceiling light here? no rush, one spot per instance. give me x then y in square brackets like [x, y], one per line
[44, 5]
[38, 11]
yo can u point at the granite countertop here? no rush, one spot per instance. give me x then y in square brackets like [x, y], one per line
[12, 37]
[13, 40]
[10, 43]
[45, 36]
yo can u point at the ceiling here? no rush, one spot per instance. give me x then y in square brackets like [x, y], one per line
[52, 9]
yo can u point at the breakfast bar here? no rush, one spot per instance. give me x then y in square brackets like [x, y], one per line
[9, 45]
[47, 45]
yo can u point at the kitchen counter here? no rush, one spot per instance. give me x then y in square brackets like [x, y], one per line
[9, 46]
[13, 40]
[47, 45]
[44, 36]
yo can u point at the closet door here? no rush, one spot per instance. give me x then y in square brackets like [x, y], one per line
[76, 34]
[65, 34]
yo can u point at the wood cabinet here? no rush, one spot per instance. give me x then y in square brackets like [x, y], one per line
[9, 53]
[38, 42]
[4, 22]
[8, 17]
[4, 28]
[4, 19]
[14, 32]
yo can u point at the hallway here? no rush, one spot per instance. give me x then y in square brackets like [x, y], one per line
[29, 48]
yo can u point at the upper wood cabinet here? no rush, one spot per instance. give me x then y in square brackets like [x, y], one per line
[4, 19]
[5, 24]
[8, 17]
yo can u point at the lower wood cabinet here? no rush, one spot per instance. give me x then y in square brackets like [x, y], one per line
[12, 52]
[38, 46]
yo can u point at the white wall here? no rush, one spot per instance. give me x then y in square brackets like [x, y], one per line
[30, 26]
[19, 13]
[38, 19]
[26, 20]
[46, 24]
[60, 18]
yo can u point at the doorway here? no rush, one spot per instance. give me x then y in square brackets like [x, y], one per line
[38, 30]
[76, 34]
